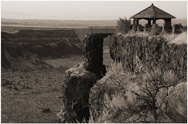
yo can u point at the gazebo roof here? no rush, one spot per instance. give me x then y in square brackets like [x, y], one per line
[153, 12]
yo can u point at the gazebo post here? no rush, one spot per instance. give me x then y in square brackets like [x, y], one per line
[149, 22]
[154, 21]
[135, 23]
[167, 24]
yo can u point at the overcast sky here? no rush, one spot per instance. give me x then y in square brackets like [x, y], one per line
[85, 10]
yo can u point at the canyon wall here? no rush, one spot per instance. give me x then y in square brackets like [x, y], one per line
[25, 46]
[90, 92]
[81, 78]
[139, 53]
[115, 98]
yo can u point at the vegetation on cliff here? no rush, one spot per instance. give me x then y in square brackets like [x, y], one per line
[123, 25]
[124, 97]
[141, 52]
[140, 85]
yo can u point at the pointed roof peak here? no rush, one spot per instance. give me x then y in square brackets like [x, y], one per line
[153, 12]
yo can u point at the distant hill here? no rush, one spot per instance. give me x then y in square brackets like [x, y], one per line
[73, 23]
[27, 48]
[58, 23]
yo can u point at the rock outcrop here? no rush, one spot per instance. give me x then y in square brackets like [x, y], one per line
[119, 96]
[5, 63]
[177, 102]
[81, 78]
[20, 47]
[93, 52]
[150, 51]
[78, 83]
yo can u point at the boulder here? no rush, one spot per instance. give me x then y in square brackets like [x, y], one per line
[177, 102]
[161, 99]
[76, 94]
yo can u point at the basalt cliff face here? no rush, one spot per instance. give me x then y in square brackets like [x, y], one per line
[93, 94]
[81, 78]
[115, 98]
[25, 47]
[141, 53]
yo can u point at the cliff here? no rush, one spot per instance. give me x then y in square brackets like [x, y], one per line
[25, 46]
[141, 88]
[141, 53]
[81, 78]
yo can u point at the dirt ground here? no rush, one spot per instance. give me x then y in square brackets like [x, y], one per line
[35, 96]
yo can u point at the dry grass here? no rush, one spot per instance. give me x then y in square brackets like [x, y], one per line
[132, 97]
[118, 81]
[170, 78]
[171, 38]
[131, 33]
[26, 94]
[64, 62]
[179, 38]
[123, 25]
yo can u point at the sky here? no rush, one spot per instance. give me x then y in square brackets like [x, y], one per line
[85, 10]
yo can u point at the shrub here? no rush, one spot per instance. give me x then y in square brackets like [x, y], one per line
[125, 97]
[152, 82]
[123, 25]
[107, 97]
[180, 38]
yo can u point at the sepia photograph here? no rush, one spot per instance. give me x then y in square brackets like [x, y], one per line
[93, 61]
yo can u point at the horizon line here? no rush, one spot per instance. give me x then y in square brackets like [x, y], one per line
[74, 19]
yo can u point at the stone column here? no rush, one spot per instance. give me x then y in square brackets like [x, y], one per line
[149, 22]
[135, 24]
[81, 78]
[154, 21]
[167, 25]
[93, 52]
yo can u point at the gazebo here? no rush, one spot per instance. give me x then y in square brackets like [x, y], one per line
[152, 13]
